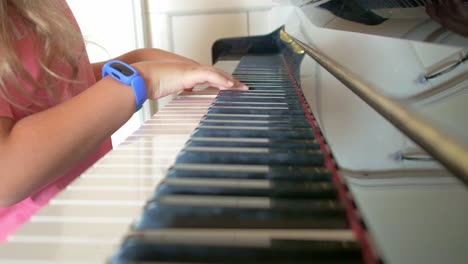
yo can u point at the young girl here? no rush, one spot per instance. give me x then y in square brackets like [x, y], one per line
[56, 113]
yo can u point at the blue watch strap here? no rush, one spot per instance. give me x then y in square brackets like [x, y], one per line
[127, 75]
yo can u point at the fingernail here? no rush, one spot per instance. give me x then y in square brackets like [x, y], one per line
[230, 83]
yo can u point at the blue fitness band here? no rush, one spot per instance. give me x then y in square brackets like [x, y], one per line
[127, 75]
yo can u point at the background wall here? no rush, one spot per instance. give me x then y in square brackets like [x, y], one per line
[110, 29]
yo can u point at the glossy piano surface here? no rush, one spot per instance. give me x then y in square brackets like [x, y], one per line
[427, 77]
[414, 209]
[414, 217]
[405, 19]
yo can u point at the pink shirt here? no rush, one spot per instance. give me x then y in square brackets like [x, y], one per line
[12, 217]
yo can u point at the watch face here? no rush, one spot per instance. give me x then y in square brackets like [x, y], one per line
[122, 69]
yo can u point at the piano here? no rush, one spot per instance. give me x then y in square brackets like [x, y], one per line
[302, 168]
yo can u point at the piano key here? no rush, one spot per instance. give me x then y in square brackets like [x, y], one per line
[240, 246]
[268, 118]
[289, 173]
[111, 230]
[275, 72]
[264, 81]
[252, 123]
[96, 195]
[300, 122]
[253, 68]
[285, 90]
[252, 99]
[254, 105]
[252, 142]
[283, 74]
[236, 155]
[262, 78]
[56, 250]
[241, 237]
[256, 93]
[256, 84]
[256, 110]
[244, 187]
[253, 132]
[201, 211]
[287, 95]
[304, 206]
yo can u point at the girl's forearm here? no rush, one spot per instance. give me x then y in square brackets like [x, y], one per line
[146, 54]
[42, 147]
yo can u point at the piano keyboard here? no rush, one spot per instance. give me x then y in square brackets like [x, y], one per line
[251, 184]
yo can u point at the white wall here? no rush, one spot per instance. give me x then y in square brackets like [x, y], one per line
[190, 27]
[109, 28]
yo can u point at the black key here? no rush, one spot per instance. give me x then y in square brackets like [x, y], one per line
[253, 142]
[288, 95]
[260, 156]
[269, 118]
[269, 85]
[262, 79]
[263, 90]
[256, 110]
[246, 124]
[264, 99]
[253, 132]
[255, 120]
[187, 211]
[253, 188]
[285, 173]
[287, 89]
[254, 105]
[141, 248]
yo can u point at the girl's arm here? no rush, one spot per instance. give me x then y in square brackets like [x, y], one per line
[40, 148]
[146, 54]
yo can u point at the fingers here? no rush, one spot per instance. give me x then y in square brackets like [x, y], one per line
[211, 76]
[236, 85]
[164, 78]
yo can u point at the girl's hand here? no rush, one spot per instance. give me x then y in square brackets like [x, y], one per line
[164, 78]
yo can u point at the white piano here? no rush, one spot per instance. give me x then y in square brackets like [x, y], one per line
[410, 208]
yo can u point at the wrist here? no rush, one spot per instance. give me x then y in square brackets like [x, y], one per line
[147, 71]
[129, 76]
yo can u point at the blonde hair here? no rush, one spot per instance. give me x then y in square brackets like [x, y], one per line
[56, 40]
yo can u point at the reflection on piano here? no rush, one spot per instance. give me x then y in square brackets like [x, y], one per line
[407, 19]
[249, 177]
